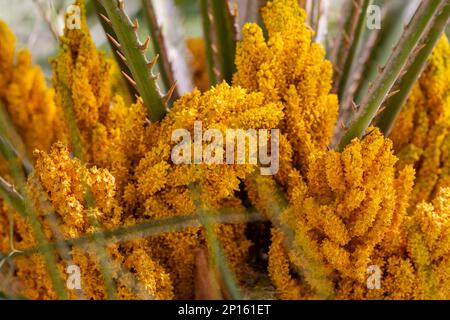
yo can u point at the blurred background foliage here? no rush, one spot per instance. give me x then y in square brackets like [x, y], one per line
[35, 22]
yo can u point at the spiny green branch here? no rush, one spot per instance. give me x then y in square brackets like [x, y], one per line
[404, 51]
[152, 228]
[405, 84]
[101, 13]
[132, 51]
[159, 46]
[213, 72]
[352, 55]
[344, 41]
[223, 25]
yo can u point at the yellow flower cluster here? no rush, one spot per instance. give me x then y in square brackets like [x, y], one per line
[288, 68]
[338, 215]
[64, 181]
[421, 134]
[25, 95]
[81, 78]
[162, 188]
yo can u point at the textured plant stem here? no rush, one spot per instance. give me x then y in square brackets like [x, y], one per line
[225, 32]
[352, 55]
[134, 52]
[109, 30]
[403, 51]
[405, 84]
[148, 229]
[11, 140]
[212, 76]
[344, 40]
[393, 16]
[214, 246]
[22, 202]
[159, 46]
[12, 197]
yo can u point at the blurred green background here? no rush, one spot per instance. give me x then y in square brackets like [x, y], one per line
[31, 19]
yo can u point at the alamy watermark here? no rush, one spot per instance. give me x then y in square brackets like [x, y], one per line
[374, 279]
[74, 277]
[73, 17]
[241, 147]
[373, 17]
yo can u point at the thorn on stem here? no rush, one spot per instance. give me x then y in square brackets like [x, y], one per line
[105, 18]
[114, 41]
[170, 92]
[139, 98]
[380, 111]
[368, 133]
[391, 94]
[121, 5]
[152, 63]
[143, 47]
[129, 78]
[121, 56]
[135, 25]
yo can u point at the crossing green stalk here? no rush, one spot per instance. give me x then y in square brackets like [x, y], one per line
[405, 84]
[405, 50]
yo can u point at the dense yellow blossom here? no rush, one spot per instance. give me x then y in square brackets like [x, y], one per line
[421, 134]
[341, 212]
[25, 94]
[288, 68]
[7, 54]
[63, 181]
[162, 188]
[81, 78]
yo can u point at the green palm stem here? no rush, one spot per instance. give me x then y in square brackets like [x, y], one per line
[9, 194]
[164, 65]
[132, 52]
[100, 11]
[224, 26]
[405, 84]
[352, 56]
[392, 20]
[212, 69]
[11, 140]
[404, 51]
[215, 249]
[22, 203]
[149, 229]
[344, 41]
